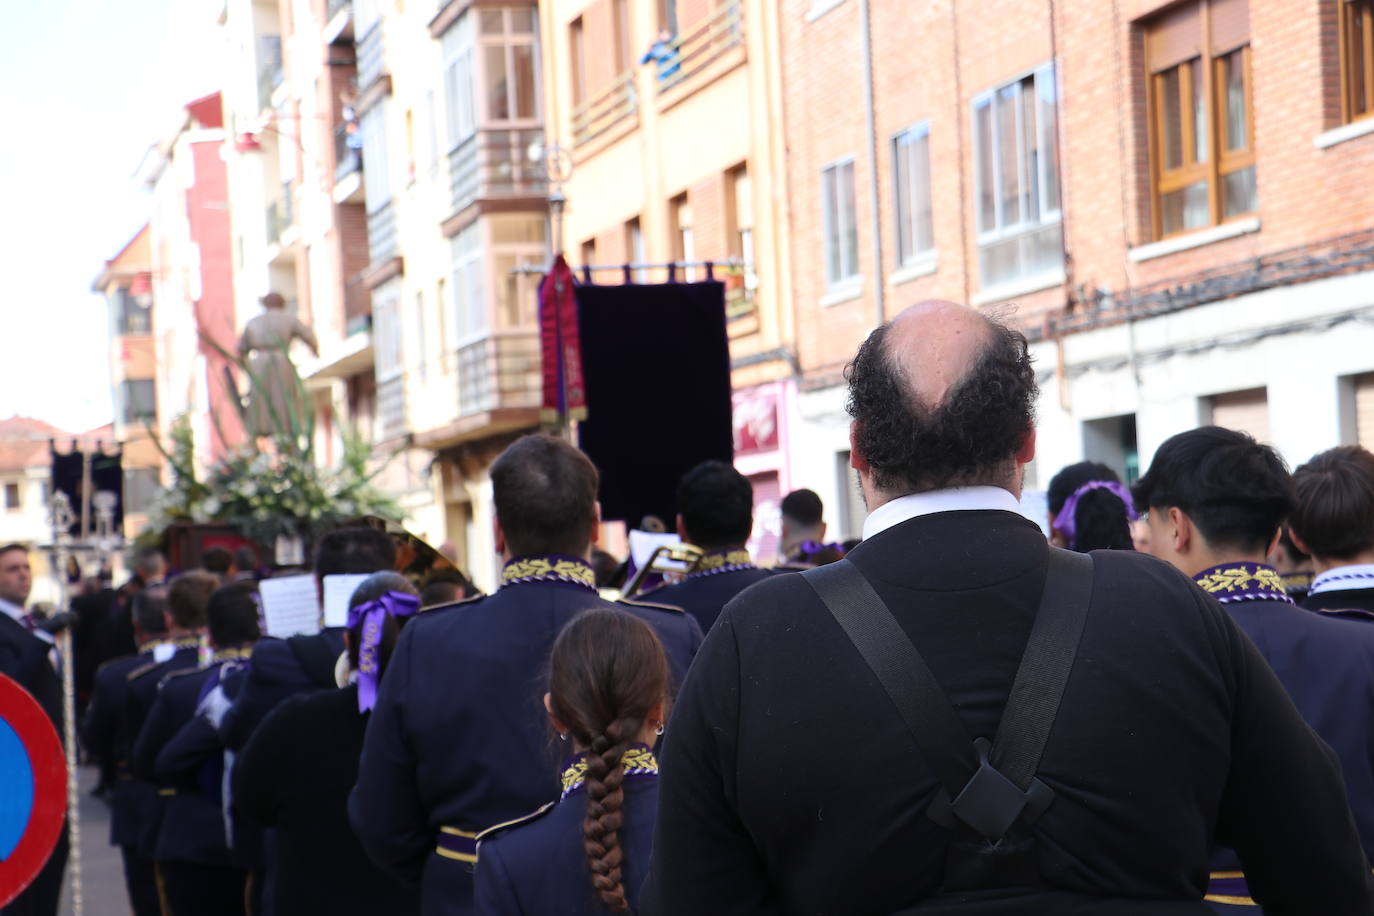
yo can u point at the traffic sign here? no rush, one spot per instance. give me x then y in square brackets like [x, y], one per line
[33, 789]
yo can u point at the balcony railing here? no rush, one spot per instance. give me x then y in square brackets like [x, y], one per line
[347, 159]
[499, 372]
[371, 58]
[606, 109]
[722, 30]
[381, 233]
[270, 73]
[492, 164]
[391, 408]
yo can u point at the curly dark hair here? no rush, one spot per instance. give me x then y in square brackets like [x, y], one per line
[606, 672]
[968, 439]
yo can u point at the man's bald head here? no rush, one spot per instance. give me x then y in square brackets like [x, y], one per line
[941, 396]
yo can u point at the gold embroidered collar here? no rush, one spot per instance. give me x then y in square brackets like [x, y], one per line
[638, 760]
[1232, 582]
[551, 568]
[722, 561]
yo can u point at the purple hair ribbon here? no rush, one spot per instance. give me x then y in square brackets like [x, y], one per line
[1064, 520]
[372, 615]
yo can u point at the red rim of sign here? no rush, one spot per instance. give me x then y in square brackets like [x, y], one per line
[40, 741]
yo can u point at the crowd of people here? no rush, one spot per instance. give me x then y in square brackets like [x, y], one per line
[1164, 706]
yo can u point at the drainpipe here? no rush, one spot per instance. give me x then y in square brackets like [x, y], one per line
[879, 290]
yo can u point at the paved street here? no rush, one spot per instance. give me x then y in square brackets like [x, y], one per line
[102, 876]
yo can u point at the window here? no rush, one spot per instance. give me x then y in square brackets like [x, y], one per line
[508, 74]
[386, 336]
[1016, 180]
[1247, 411]
[421, 341]
[12, 500]
[133, 316]
[376, 178]
[517, 243]
[141, 486]
[1201, 124]
[741, 281]
[838, 223]
[620, 14]
[588, 252]
[1357, 58]
[578, 61]
[684, 242]
[138, 401]
[911, 185]
[635, 252]
[1362, 391]
[469, 310]
[667, 16]
[458, 97]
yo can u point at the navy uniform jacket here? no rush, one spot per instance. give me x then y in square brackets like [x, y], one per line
[276, 672]
[791, 785]
[459, 736]
[537, 867]
[104, 736]
[179, 753]
[138, 703]
[1359, 601]
[703, 594]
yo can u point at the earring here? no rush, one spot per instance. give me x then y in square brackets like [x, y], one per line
[659, 730]
[562, 736]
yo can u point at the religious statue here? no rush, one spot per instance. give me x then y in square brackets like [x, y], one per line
[274, 397]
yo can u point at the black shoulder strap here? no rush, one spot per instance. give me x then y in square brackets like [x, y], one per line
[987, 785]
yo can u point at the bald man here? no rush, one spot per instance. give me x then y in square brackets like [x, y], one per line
[796, 780]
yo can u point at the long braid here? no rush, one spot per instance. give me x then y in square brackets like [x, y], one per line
[605, 798]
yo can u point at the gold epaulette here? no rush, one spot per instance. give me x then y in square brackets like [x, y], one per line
[533, 815]
[142, 670]
[658, 607]
[180, 672]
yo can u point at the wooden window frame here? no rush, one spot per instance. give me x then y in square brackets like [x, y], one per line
[1219, 162]
[577, 58]
[1344, 15]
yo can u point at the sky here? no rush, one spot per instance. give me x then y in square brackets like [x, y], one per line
[86, 86]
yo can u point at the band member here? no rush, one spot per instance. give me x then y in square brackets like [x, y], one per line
[1334, 522]
[456, 740]
[608, 684]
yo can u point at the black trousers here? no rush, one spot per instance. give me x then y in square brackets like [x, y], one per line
[42, 897]
[192, 889]
[140, 880]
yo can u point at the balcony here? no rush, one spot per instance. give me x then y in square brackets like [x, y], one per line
[371, 59]
[722, 31]
[499, 372]
[270, 73]
[495, 165]
[381, 234]
[603, 111]
[347, 159]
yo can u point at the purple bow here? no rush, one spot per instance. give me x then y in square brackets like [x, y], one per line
[1064, 521]
[372, 615]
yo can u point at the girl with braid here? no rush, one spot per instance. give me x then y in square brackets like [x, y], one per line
[588, 853]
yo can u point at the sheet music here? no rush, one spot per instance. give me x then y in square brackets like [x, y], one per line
[337, 591]
[290, 605]
[644, 543]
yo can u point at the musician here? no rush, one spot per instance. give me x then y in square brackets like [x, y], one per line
[285, 667]
[200, 874]
[457, 739]
[1216, 500]
[715, 513]
[298, 768]
[589, 853]
[27, 655]
[803, 520]
[105, 735]
[1334, 522]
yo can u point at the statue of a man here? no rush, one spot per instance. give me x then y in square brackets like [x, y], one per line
[274, 398]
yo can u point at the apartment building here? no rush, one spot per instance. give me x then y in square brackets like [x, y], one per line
[191, 283]
[126, 282]
[1170, 195]
[669, 115]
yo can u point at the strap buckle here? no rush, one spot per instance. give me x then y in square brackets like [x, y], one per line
[990, 802]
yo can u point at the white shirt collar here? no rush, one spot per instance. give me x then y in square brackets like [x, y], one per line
[1343, 578]
[13, 610]
[956, 499]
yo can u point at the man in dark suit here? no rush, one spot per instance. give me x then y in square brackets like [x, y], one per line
[1334, 522]
[459, 740]
[1216, 500]
[199, 871]
[27, 655]
[282, 668]
[105, 736]
[715, 506]
[793, 783]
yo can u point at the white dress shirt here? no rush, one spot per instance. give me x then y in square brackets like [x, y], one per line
[955, 499]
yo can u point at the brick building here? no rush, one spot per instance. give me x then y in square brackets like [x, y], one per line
[1171, 195]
